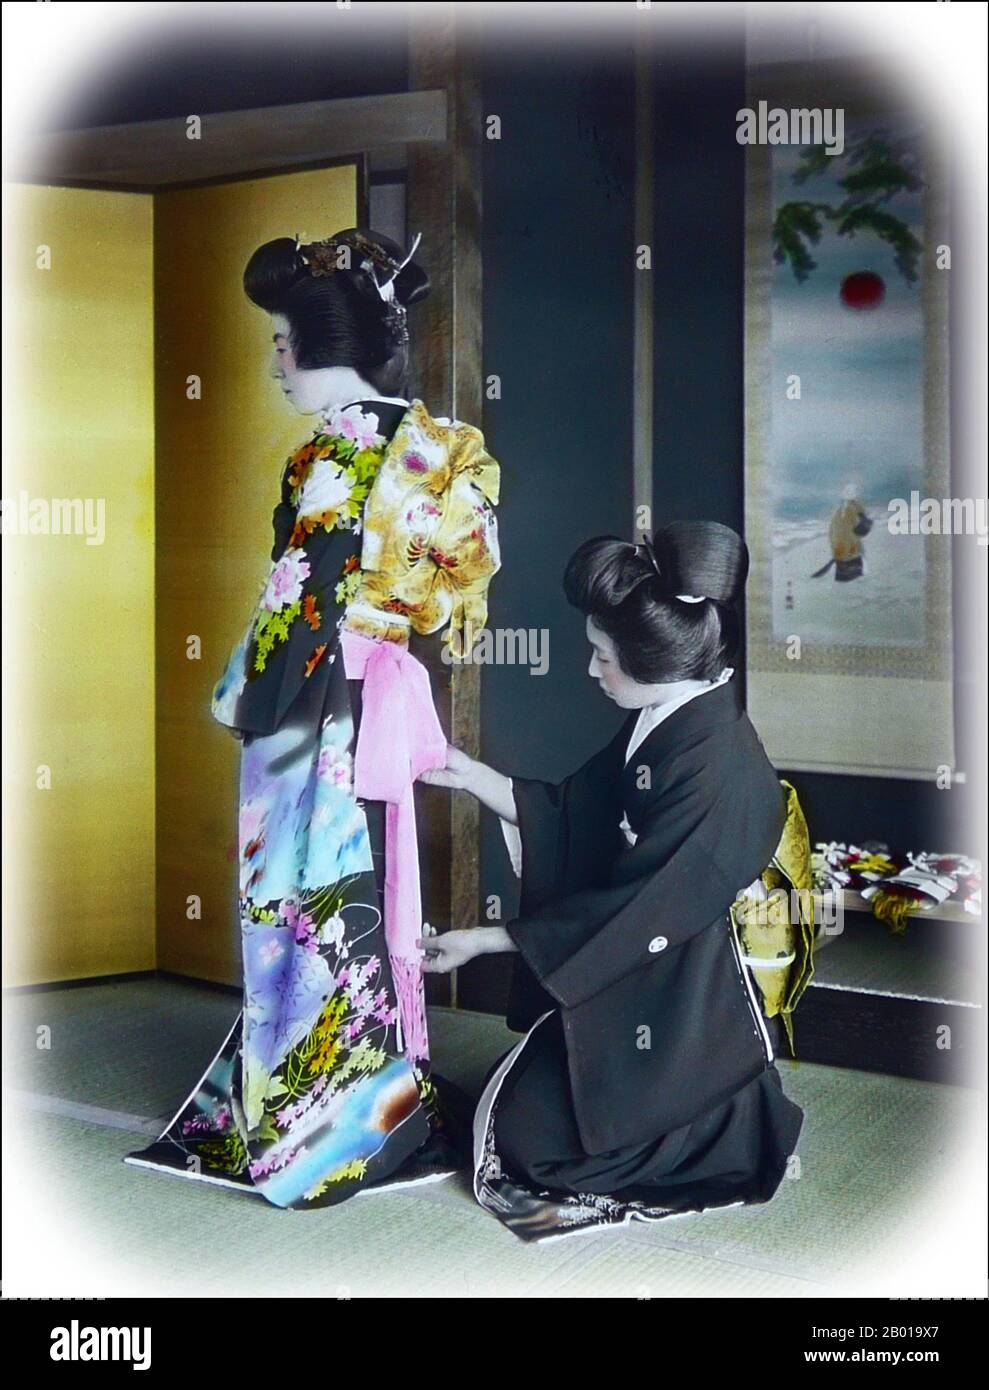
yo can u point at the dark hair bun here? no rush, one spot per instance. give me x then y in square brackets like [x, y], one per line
[337, 313]
[277, 266]
[373, 261]
[701, 558]
[631, 593]
[603, 572]
[271, 273]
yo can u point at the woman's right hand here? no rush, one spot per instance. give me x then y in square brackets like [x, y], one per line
[457, 773]
[465, 774]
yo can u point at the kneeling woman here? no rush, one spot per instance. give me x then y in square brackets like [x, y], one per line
[645, 1084]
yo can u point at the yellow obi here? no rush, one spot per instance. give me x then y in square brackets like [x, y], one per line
[430, 543]
[775, 920]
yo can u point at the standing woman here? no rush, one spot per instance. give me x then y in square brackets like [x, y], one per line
[646, 1083]
[385, 526]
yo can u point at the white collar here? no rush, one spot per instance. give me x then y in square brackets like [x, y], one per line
[375, 400]
[652, 715]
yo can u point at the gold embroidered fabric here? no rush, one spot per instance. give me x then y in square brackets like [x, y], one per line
[430, 545]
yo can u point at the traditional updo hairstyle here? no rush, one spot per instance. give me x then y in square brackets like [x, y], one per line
[630, 591]
[337, 314]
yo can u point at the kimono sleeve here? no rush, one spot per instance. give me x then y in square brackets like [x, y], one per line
[512, 837]
[283, 517]
[568, 830]
[282, 521]
[660, 892]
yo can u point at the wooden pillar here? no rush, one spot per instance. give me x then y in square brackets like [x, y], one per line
[444, 204]
[643, 369]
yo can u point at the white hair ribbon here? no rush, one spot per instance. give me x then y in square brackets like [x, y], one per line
[691, 598]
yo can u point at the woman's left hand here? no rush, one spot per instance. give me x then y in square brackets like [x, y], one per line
[456, 948]
[449, 951]
[457, 772]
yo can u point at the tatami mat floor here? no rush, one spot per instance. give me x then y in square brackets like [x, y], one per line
[123, 1056]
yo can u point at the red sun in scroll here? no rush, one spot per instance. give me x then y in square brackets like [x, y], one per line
[863, 290]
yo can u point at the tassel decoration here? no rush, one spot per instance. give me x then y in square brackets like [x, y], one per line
[407, 975]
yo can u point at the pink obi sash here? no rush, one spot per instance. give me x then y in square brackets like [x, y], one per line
[399, 738]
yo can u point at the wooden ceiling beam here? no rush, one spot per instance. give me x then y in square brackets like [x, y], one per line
[148, 156]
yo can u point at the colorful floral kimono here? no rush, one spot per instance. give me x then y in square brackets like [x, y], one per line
[322, 1086]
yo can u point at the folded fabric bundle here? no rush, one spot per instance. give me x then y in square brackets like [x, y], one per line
[896, 886]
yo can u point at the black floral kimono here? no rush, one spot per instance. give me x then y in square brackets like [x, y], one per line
[646, 1084]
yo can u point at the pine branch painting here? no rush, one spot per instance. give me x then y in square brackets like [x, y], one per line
[876, 169]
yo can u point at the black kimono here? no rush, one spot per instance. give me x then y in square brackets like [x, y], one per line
[646, 1084]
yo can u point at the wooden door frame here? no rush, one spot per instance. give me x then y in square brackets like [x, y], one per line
[444, 204]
